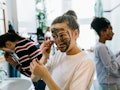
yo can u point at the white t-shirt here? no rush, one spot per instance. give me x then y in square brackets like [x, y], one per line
[72, 72]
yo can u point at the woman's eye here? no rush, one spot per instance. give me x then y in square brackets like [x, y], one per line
[61, 35]
[54, 36]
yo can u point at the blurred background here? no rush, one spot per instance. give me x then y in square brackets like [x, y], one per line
[30, 18]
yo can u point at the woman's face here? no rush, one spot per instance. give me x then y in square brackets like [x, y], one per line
[109, 33]
[63, 36]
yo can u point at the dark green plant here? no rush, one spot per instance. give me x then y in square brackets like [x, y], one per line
[41, 16]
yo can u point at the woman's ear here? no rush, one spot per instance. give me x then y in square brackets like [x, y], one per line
[76, 33]
[102, 33]
[8, 44]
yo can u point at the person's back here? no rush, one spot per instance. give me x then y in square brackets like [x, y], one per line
[102, 74]
[25, 49]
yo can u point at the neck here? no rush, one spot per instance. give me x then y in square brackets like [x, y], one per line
[73, 51]
[102, 40]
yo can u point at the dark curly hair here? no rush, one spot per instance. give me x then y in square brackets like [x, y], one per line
[9, 37]
[100, 24]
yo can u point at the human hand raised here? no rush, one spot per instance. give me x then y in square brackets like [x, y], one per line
[8, 57]
[46, 47]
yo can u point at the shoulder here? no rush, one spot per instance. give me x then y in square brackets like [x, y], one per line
[85, 59]
[85, 64]
[100, 46]
[22, 42]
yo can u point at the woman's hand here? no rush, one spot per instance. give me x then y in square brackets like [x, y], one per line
[38, 69]
[35, 78]
[11, 60]
[8, 57]
[46, 47]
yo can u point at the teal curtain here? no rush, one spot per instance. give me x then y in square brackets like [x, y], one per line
[98, 8]
[13, 72]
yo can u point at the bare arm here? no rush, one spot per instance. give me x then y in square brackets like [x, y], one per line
[50, 82]
[11, 60]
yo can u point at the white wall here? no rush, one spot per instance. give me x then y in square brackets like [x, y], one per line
[22, 14]
[115, 14]
[23, 17]
[114, 17]
[12, 13]
[26, 15]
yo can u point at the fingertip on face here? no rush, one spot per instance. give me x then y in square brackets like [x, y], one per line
[51, 42]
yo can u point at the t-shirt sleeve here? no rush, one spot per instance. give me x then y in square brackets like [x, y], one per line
[83, 76]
